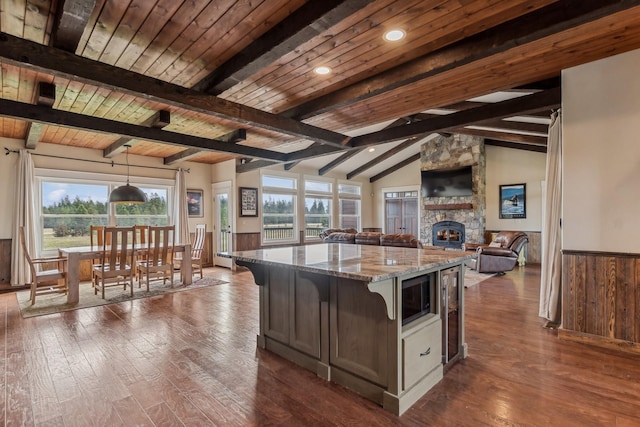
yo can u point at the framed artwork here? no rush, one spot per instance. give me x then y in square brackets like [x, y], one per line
[513, 201]
[194, 203]
[248, 201]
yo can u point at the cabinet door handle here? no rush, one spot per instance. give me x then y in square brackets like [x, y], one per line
[426, 353]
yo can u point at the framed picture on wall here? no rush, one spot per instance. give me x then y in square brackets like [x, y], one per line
[248, 201]
[513, 201]
[194, 203]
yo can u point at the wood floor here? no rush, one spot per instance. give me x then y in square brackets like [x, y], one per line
[190, 359]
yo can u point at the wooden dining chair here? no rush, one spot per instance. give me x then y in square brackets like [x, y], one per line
[116, 266]
[45, 280]
[142, 233]
[197, 249]
[158, 257]
[142, 236]
[96, 236]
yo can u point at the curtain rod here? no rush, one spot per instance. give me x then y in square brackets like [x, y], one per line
[112, 163]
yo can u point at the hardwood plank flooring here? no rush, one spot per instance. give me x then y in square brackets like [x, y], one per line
[190, 358]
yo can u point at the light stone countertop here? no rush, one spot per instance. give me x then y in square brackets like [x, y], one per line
[359, 262]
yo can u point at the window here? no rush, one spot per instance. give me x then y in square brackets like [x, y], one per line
[349, 205]
[154, 212]
[279, 196]
[68, 209]
[69, 203]
[318, 207]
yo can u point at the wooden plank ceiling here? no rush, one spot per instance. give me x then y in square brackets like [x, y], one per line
[211, 80]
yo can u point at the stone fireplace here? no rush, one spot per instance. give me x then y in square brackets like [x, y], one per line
[449, 152]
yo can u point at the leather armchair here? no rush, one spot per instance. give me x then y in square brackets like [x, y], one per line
[500, 255]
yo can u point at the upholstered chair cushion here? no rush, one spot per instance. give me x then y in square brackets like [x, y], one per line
[368, 238]
[324, 233]
[400, 240]
[340, 238]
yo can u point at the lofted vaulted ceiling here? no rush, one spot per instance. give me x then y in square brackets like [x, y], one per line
[213, 80]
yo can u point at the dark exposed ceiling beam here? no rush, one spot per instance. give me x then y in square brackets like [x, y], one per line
[545, 99]
[311, 19]
[517, 146]
[460, 106]
[41, 114]
[158, 120]
[503, 136]
[71, 19]
[513, 107]
[515, 126]
[56, 62]
[349, 154]
[45, 96]
[338, 161]
[395, 150]
[250, 166]
[395, 167]
[557, 17]
[230, 138]
[542, 114]
[545, 84]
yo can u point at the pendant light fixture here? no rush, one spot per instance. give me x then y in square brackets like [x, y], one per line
[127, 194]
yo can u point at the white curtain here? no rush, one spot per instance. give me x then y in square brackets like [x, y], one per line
[181, 213]
[24, 215]
[551, 269]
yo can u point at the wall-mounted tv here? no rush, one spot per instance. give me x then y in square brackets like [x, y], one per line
[447, 182]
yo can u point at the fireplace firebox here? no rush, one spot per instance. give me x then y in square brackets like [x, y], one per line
[449, 234]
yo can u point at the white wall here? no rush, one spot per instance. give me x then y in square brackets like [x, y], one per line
[504, 166]
[198, 178]
[408, 176]
[601, 163]
[510, 166]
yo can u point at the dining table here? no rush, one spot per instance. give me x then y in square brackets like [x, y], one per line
[78, 253]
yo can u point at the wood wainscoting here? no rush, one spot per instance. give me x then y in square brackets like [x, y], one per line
[5, 261]
[601, 299]
[246, 241]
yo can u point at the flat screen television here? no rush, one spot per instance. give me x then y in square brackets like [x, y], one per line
[447, 182]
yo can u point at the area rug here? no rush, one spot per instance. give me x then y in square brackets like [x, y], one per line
[54, 303]
[472, 277]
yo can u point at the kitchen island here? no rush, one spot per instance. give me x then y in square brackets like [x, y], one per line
[383, 321]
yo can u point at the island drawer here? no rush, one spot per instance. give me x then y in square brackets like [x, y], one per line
[421, 353]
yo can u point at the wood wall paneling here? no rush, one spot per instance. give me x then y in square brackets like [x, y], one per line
[601, 299]
[5, 261]
[246, 241]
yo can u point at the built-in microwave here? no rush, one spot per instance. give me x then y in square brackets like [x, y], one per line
[418, 297]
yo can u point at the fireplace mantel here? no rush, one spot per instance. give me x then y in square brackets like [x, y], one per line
[448, 206]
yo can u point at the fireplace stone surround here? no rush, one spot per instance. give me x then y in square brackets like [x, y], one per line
[448, 152]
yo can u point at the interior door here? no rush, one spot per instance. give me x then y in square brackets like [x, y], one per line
[393, 216]
[222, 239]
[401, 212]
[410, 216]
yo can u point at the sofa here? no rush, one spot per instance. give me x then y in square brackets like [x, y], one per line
[500, 255]
[350, 235]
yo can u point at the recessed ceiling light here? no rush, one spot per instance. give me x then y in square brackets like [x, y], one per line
[372, 149]
[322, 70]
[394, 35]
